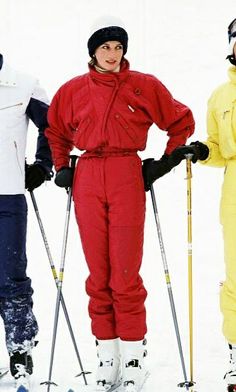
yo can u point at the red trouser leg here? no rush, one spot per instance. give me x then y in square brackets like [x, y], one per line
[110, 208]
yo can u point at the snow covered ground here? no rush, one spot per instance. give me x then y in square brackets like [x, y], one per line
[184, 43]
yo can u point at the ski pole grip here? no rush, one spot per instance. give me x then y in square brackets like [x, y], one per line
[73, 159]
[189, 156]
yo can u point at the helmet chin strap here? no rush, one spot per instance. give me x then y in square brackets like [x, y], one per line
[232, 59]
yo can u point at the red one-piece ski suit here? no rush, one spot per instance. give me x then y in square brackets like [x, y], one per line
[108, 115]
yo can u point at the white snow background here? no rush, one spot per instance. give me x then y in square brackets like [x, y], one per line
[184, 44]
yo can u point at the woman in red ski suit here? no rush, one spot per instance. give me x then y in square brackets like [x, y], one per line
[107, 112]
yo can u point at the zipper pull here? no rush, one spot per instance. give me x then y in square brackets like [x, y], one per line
[11, 106]
[131, 109]
[226, 111]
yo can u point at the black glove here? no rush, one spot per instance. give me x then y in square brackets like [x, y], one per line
[35, 175]
[197, 149]
[201, 151]
[64, 177]
[152, 170]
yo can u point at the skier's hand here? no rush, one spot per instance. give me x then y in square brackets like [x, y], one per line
[197, 149]
[64, 177]
[201, 151]
[35, 175]
[154, 169]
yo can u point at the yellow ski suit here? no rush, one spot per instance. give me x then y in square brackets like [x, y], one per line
[221, 128]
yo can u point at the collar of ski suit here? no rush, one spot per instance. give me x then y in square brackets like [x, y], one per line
[111, 77]
[7, 76]
[232, 74]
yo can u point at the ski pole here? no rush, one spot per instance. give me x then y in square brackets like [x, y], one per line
[54, 273]
[190, 275]
[60, 280]
[187, 384]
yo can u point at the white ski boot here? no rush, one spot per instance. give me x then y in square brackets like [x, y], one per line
[108, 372]
[134, 373]
[230, 376]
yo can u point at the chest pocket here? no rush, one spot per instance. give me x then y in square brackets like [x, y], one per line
[227, 130]
[11, 114]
